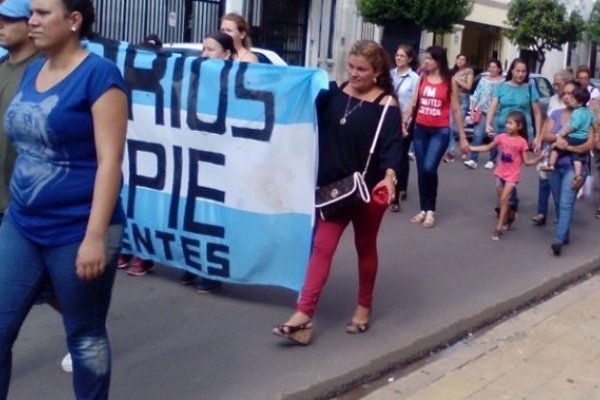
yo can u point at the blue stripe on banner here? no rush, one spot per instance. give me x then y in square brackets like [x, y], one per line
[288, 85]
[268, 249]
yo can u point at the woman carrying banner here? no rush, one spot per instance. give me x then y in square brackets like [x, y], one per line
[216, 45]
[348, 117]
[236, 26]
[64, 224]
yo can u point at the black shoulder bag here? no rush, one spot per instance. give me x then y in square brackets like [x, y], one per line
[336, 196]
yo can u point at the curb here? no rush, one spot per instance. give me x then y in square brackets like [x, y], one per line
[444, 337]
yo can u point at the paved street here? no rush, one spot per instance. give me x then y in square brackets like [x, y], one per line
[434, 286]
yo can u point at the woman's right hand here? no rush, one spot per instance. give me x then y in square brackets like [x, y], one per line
[489, 130]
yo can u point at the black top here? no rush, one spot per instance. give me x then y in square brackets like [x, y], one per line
[344, 149]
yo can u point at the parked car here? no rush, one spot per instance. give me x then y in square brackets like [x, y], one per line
[542, 84]
[264, 56]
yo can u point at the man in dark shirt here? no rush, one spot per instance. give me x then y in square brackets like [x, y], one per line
[14, 37]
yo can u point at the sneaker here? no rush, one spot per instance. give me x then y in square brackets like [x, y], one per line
[208, 286]
[67, 364]
[140, 267]
[556, 248]
[124, 261]
[470, 164]
[188, 278]
[489, 165]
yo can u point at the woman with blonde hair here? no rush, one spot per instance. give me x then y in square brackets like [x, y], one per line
[348, 117]
[237, 27]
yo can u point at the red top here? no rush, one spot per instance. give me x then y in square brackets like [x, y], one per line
[434, 104]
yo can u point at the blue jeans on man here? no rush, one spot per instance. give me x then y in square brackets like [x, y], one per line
[83, 304]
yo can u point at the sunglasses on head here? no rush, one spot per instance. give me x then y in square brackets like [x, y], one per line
[13, 19]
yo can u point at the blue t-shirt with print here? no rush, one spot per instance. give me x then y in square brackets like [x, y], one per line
[53, 180]
[514, 98]
[581, 120]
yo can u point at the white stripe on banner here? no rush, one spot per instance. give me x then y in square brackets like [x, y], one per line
[219, 170]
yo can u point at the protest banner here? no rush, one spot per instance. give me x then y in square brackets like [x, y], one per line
[220, 164]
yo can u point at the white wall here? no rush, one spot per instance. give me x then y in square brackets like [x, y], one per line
[235, 6]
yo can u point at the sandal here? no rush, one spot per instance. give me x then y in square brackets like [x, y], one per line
[299, 334]
[578, 182]
[353, 327]
[419, 218]
[429, 221]
[395, 207]
[497, 235]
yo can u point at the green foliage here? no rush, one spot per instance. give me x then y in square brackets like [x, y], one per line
[542, 25]
[433, 15]
[379, 11]
[593, 27]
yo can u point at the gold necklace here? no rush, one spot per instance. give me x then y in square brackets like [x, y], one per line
[343, 120]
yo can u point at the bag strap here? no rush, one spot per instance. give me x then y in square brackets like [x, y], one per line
[402, 79]
[379, 125]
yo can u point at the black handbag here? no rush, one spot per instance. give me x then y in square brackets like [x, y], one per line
[336, 196]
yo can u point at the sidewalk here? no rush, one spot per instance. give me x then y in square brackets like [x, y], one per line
[550, 351]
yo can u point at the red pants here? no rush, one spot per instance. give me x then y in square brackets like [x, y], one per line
[366, 220]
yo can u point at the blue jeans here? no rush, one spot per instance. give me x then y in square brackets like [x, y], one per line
[430, 145]
[463, 103]
[543, 196]
[478, 135]
[560, 184]
[25, 269]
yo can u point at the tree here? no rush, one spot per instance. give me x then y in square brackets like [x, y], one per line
[593, 26]
[437, 16]
[542, 25]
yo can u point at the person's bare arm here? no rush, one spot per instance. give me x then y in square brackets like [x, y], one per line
[109, 114]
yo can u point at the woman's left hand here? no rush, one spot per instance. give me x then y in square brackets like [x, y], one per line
[388, 184]
[91, 259]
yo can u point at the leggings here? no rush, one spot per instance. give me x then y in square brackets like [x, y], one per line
[366, 220]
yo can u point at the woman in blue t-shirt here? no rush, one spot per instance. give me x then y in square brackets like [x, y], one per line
[64, 224]
[515, 94]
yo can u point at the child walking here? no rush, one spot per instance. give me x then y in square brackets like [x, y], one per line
[512, 146]
[575, 132]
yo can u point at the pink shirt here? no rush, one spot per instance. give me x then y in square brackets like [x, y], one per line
[510, 151]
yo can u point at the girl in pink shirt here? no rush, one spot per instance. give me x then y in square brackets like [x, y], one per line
[512, 146]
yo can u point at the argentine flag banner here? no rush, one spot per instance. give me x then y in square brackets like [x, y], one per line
[220, 164]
